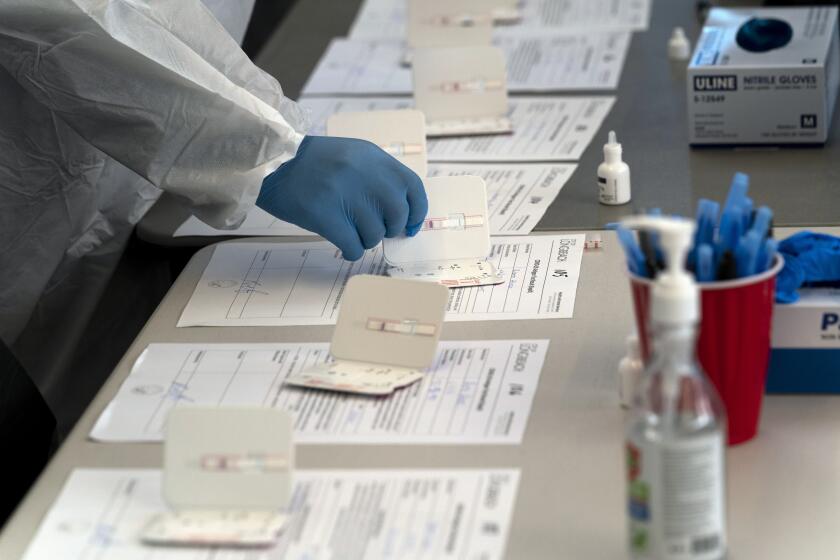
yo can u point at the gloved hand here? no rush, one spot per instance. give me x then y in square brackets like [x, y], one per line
[349, 191]
[809, 257]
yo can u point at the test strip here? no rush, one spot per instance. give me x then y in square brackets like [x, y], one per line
[397, 326]
[398, 149]
[461, 20]
[453, 222]
[240, 463]
[470, 86]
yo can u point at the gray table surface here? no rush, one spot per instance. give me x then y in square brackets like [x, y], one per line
[783, 486]
[800, 184]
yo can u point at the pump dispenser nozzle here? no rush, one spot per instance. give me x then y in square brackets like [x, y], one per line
[675, 297]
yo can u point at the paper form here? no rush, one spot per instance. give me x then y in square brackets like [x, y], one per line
[545, 128]
[387, 18]
[580, 61]
[257, 222]
[334, 515]
[280, 284]
[552, 16]
[518, 195]
[476, 392]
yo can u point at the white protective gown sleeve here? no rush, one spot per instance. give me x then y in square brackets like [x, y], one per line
[159, 86]
[103, 103]
[234, 15]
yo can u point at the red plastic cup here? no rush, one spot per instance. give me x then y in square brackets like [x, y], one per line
[734, 342]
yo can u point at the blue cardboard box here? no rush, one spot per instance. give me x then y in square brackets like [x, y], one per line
[805, 353]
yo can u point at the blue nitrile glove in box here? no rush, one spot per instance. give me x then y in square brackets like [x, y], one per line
[806, 321]
[809, 258]
[349, 191]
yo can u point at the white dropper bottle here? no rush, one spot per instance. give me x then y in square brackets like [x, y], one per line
[679, 47]
[613, 175]
[676, 430]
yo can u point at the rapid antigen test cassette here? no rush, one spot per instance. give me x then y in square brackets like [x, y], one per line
[227, 476]
[385, 336]
[401, 133]
[462, 91]
[453, 244]
[448, 23]
[764, 76]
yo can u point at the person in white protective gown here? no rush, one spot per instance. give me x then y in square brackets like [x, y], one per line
[104, 104]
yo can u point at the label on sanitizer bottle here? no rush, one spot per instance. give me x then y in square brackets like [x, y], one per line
[676, 499]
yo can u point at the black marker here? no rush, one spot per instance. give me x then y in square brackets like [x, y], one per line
[728, 268]
[649, 251]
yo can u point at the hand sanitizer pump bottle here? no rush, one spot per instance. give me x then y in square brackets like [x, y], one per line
[676, 429]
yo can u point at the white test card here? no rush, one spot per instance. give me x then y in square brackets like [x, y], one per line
[462, 91]
[385, 337]
[227, 458]
[401, 133]
[448, 23]
[454, 241]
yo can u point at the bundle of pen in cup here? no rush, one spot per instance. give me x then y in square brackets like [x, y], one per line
[735, 263]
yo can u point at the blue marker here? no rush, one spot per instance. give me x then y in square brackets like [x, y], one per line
[737, 190]
[707, 213]
[635, 258]
[768, 254]
[705, 263]
[746, 255]
[761, 223]
[746, 213]
[706, 229]
[730, 231]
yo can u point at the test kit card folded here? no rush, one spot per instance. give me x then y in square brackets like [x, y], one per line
[227, 473]
[385, 336]
[448, 23]
[462, 91]
[401, 133]
[454, 241]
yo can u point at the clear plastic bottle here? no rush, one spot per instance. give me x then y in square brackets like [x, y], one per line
[676, 444]
[676, 429]
[630, 370]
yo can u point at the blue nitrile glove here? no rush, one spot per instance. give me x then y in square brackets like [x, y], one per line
[809, 257]
[348, 191]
